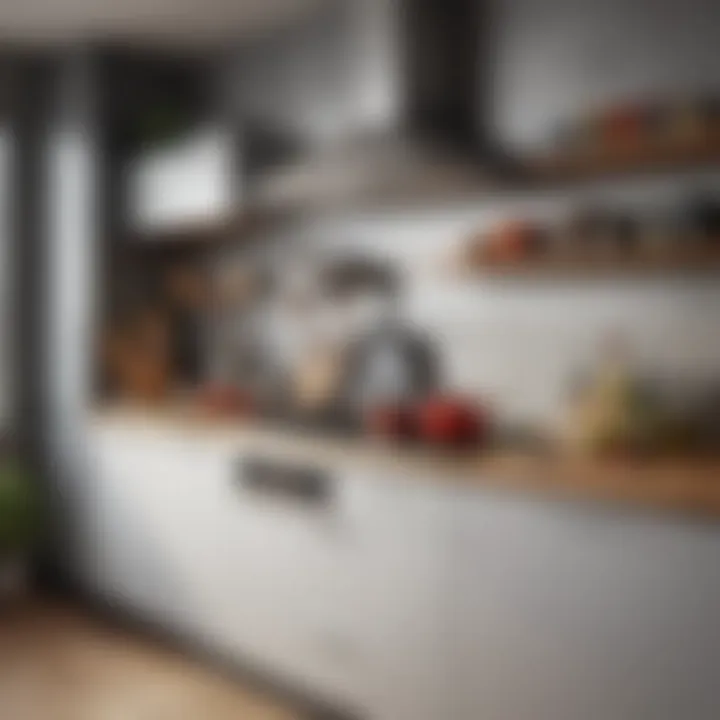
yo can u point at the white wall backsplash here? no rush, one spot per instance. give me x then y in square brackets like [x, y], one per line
[520, 342]
[557, 58]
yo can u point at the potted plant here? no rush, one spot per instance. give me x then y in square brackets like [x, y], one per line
[19, 524]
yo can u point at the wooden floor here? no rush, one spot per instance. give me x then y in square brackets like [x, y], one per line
[57, 663]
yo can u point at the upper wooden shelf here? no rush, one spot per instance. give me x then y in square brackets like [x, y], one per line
[208, 233]
[190, 234]
[642, 158]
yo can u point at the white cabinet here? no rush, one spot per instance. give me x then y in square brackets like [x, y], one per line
[121, 560]
[176, 535]
[405, 599]
[347, 598]
[402, 571]
[188, 181]
[572, 611]
[151, 524]
[282, 600]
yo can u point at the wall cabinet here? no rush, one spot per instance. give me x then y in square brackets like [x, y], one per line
[189, 181]
[580, 611]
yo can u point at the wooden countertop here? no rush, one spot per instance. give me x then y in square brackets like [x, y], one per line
[682, 485]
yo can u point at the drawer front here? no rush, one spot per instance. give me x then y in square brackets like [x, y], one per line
[282, 597]
[402, 585]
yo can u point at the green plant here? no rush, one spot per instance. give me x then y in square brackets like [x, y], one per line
[19, 507]
[159, 124]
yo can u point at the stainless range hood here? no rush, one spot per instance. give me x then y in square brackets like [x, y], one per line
[430, 54]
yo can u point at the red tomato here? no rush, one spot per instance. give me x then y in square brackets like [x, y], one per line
[446, 420]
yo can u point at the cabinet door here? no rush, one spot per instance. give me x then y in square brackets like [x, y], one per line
[283, 603]
[178, 537]
[401, 604]
[151, 524]
[568, 611]
[185, 182]
[123, 562]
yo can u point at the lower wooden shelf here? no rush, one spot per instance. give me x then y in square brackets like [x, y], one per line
[701, 261]
[638, 158]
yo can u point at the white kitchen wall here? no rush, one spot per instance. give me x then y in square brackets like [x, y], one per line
[556, 58]
[521, 342]
[551, 60]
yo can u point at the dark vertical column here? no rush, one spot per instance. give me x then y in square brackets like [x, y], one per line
[55, 210]
[31, 104]
[111, 200]
[31, 101]
[8, 281]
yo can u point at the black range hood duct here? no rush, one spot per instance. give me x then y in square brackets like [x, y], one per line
[436, 145]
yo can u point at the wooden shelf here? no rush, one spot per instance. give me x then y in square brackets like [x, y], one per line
[210, 233]
[639, 159]
[195, 234]
[698, 262]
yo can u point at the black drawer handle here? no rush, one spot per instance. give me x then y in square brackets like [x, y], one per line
[309, 486]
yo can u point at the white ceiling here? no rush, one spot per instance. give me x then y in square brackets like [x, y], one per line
[175, 21]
